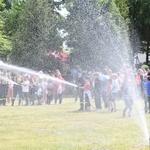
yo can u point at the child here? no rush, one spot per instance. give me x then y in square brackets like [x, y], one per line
[128, 97]
[49, 92]
[39, 94]
[114, 91]
[87, 94]
[108, 94]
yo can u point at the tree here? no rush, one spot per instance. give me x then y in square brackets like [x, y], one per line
[7, 4]
[97, 33]
[36, 35]
[140, 17]
[12, 17]
[5, 43]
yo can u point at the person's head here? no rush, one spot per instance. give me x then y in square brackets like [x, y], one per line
[105, 71]
[96, 75]
[109, 72]
[114, 76]
[57, 73]
[87, 78]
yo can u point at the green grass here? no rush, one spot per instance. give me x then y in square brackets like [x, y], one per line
[61, 127]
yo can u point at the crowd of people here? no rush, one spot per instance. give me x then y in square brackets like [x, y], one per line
[107, 87]
[101, 85]
[30, 88]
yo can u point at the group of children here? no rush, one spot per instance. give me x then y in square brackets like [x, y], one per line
[101, 85]
[107, 87]
[30, 88]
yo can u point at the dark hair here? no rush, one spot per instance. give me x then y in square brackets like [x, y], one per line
[148, 74]
[105, 71]
[148, 78]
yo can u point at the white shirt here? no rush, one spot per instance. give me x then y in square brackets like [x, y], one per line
[25, 86]
[39, 91]
[115, 86]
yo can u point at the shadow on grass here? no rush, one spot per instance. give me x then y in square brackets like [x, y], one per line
[92, 111]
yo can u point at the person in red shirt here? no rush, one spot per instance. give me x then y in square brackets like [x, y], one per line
[87, 93]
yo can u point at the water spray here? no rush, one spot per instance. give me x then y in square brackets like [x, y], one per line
[8, 80]
[32, 72]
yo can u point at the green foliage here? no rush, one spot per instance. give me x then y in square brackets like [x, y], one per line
[95, 31]
[5, 44]
[123, 7]
[140, 17]
[2, 5]
[12, 17]
[7, 4]
[36, 34]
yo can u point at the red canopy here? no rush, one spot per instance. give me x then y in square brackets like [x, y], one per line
[59, 55]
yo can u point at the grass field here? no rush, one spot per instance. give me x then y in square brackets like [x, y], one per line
[61, 127]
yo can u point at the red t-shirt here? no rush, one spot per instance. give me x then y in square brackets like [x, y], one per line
[87, 86]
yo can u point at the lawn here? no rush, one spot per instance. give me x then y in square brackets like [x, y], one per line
[61, 127]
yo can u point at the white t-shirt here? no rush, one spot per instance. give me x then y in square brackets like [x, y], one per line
[25, 86]
[115, 86]
[59, 90]
[39, 92]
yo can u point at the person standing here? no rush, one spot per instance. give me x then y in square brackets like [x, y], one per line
[44, 90]
[114, 91]
[108, 94]
[104, 78]
[87, 94]
[4, 87]
[59, 87]
[25, 90]
[81, 83]
[147, 88]
[17, 88]
[10, 92]
[97, 91]
[128, 97]
[75, 81]
[39, 94]
[32, 90]
[49, 92]
[10, 89]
